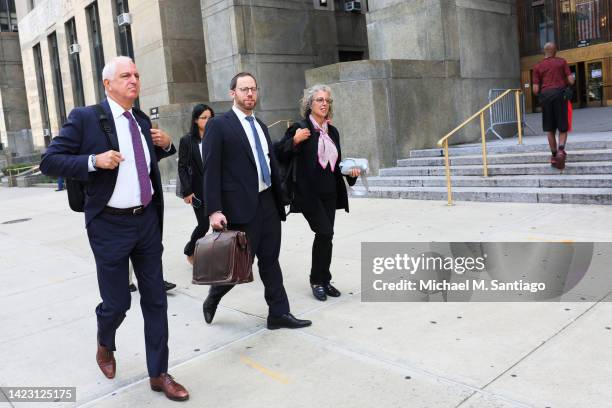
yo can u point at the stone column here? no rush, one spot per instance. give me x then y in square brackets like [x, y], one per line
[272, 39]
[13, 101]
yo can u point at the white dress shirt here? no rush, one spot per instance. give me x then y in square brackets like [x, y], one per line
[127, 189]
[262, 138]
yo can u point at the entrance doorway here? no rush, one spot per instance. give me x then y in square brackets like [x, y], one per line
[594, 83]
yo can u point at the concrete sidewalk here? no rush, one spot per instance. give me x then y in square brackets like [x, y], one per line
[355, 355]
[586, 120]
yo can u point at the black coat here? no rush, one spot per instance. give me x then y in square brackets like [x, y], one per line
[190, 167]
[306, 155]
[230, 173]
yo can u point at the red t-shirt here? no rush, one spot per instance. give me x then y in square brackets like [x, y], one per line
[551, 72]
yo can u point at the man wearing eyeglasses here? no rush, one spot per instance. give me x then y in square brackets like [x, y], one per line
[242, 192]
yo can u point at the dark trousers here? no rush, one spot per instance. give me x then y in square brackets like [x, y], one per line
[114, 239]
[321, 222]
[264, 235]
[199, 231]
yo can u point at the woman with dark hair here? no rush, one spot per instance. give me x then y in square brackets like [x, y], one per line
[319, 187]
[191, 173]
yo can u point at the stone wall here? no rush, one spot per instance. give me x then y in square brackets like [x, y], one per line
[277, 41]
[432, 65]
[175, 119]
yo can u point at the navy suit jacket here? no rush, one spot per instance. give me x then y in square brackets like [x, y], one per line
[230, 173]
[81, 136]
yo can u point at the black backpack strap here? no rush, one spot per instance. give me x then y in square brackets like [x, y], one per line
[106, 127]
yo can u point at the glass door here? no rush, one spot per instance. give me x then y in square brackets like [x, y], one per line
[576, 89]
[594, 83]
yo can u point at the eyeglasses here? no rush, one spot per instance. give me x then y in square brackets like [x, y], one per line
[246, 90]
[320, 100]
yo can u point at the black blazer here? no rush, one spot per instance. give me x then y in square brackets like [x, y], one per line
[190, 166]
[306, 155]
[230, 173]
[82, 135]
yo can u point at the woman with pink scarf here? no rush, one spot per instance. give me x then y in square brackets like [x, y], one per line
[319, 188]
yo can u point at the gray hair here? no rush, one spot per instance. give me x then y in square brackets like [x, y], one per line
[306, 101]
[111, 67]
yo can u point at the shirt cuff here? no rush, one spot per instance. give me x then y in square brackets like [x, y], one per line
[168, 148]
[90, 166]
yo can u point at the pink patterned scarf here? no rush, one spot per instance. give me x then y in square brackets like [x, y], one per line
[328, 153]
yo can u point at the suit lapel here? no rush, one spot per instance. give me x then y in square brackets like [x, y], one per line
[244, 140]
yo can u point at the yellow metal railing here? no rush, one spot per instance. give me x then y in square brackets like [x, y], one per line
[17, 171]
[444, 141]
[288, 121]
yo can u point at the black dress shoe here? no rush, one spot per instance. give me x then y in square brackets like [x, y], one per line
[331, 291]
[209, 308]
[319, 292]
[169, 285]
[286, 321]
[133, 287]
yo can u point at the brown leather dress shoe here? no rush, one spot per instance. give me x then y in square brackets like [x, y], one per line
[171, 388]
[106, 361]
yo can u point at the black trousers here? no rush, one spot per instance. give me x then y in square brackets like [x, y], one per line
[199, 231]
[114, 239]
[321, 222]
[264, 235]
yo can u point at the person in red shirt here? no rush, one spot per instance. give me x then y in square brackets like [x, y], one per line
[551, 81]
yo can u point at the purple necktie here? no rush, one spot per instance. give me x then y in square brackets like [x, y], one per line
[141, 161]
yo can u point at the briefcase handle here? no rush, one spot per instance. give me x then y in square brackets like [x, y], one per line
[223, 229]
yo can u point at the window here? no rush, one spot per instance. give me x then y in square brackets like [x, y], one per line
[570, 23]
[125, 31]
[75, 63]
[56, 72]
[42, 91]
[536, 24]
[125, 45]
[97, 53]
[8, 16]
[582, 22]
[345, 56]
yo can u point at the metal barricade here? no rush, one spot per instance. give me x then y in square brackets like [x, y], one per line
[504, 112]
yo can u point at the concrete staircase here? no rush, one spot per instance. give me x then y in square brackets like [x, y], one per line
[516, 174]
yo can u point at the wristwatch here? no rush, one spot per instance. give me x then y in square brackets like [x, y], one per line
[92, 160]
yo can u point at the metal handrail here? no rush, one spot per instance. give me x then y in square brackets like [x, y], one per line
[18, 171]
[289, 123]
[443, 142]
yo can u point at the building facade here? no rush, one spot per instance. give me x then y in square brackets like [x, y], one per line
[65, 43]
[581, 30]
[14, 120]
[186, 50]
[404, 72]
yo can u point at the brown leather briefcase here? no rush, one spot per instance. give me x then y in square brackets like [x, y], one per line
[223, 257]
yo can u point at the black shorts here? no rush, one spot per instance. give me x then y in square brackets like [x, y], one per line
[554, 111]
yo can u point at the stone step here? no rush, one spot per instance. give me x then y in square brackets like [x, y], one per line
[601, 196]
[513, 158]
[502, 148]
[551, 181]
[501, 169]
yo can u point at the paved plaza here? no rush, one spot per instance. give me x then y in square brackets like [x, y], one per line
[356, 354]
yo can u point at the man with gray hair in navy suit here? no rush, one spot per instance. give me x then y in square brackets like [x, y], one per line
[123, 212]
